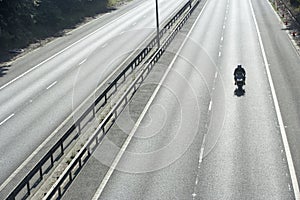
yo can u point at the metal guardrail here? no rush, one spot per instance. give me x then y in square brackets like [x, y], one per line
[37, 173]
[80, 159]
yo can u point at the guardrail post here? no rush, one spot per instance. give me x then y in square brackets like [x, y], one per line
[62, 148]
[94, 112]
[41, 173]
[52, 160]
[59, 192]
[80, 164]
[79, 129]
[28, 188]
[106, 124]
[70, 176]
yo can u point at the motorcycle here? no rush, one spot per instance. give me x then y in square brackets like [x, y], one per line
[240, 82]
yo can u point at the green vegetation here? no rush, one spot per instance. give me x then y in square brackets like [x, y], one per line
[26, 21]
[295, 7]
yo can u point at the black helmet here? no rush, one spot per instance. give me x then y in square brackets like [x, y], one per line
[239, 66]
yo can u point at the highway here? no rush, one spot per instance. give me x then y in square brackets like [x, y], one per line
[43, 87]
[194, 137]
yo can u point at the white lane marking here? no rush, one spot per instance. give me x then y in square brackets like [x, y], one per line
[126, 143]
[4, 184]
[210, 104]
[222, 38]
[63, 50]
[216, 74]
[122, 33]
[201, 155]
[6, 119]
[134, 24]
[50, 86]
[82, 62]
[224, 26]
[202, 151]
[291, 39]
[278, 112]
[220, 53]
[104, 45]
[82, 26]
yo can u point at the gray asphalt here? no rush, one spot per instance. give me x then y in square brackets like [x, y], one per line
[243, 156]
[64, 73]
[189, 148]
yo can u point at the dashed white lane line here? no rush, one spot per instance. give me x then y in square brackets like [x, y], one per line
[82, 62]
[134, 24]
[220, 53]
[104, 45]
[224, 26]
[50, 86]
[65, 49]
[197, 179]
[222, 38]
[216, 74]
[141, 117]
[278, 112]
[28, 159]
[210, 104]
[6, 119]
[201, 155]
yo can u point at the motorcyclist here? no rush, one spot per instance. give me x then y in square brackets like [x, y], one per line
[237, 70]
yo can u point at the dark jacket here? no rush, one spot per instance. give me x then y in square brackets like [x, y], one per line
[239, 70]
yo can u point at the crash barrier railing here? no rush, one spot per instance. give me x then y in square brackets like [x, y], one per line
[61, 185]
[46, 163]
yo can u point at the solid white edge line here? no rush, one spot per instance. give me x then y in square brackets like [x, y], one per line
[54, 132]
[291, 39]
[4, 184]
[210, 104]
[50, 86]
[82, 62]
[63, 50]
[126, 143]
[7, 118]
[278, 113]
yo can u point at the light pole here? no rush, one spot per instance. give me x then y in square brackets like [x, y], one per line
[157, 25]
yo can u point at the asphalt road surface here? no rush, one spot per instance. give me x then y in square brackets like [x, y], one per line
[42, 88]
[197, 137]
